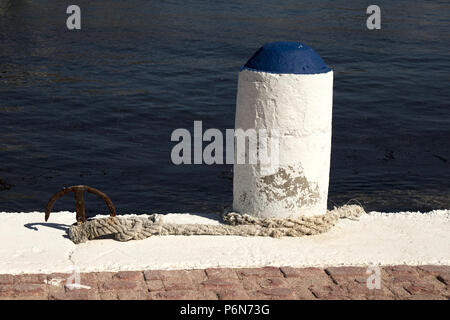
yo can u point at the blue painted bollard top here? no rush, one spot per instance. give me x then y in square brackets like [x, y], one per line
[286, 57]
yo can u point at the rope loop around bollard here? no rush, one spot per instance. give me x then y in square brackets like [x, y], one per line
[235, 224]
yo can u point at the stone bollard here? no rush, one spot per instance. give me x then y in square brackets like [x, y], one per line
[287, 89]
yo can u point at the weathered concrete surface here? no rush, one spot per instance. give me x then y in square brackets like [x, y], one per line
[29, 245]
[298, 107]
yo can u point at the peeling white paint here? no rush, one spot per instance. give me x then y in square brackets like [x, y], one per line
[299, 107]
[55, 281]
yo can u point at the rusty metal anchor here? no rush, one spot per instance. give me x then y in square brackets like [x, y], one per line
[79, 200]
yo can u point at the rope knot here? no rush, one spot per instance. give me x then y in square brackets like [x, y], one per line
[137, 228]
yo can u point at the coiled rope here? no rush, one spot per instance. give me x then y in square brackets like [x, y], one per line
[138, 228]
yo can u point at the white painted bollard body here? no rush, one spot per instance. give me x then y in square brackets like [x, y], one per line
[287, 88]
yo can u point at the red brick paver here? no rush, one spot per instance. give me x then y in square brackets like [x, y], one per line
[271, 283]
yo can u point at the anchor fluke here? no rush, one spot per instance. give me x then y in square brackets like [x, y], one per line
[79, 200]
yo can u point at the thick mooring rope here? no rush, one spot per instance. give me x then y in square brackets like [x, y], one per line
[138, 228]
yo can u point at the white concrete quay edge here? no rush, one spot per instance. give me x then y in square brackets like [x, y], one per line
[29, 245]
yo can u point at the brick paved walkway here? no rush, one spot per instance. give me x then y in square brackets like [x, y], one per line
[397, 282]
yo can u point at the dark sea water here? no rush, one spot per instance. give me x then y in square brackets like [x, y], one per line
[98, 106]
